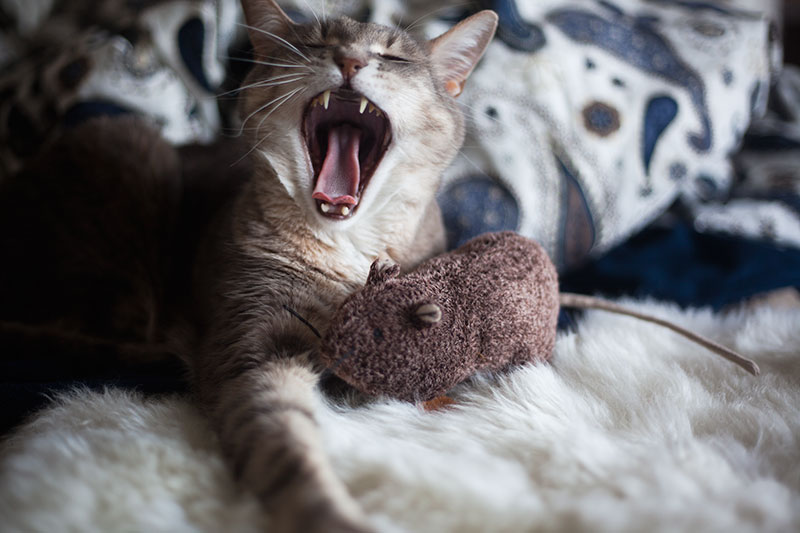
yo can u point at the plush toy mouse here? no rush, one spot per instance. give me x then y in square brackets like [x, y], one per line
[488, 305]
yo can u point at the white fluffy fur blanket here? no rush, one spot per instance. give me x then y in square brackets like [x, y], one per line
[631, 428]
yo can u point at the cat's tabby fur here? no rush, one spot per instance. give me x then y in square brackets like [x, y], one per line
[274, 254]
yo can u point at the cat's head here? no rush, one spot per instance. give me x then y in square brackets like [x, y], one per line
[356, 118]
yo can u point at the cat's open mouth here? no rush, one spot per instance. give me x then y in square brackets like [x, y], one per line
[346, 135]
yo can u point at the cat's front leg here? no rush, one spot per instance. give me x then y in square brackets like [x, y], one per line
[264, 416]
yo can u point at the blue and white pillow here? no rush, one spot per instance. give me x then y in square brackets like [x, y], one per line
[590, 117]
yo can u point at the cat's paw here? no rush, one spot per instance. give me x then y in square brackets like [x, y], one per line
[383, 269]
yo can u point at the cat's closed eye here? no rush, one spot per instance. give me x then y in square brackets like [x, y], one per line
[396, 59]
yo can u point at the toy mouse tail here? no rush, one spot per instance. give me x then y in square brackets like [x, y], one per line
[583, 301]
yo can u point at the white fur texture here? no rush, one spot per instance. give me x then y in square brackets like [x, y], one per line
[630, 428]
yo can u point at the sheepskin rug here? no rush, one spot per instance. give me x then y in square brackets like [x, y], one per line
[630, 428]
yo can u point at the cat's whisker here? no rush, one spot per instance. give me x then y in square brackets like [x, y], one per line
[283, 61]
[280, 77]
[271, 82]
[281, 100]
[265, 106]
[313, 12]
[278, 80]
[471, 162]
[431, 13]
[471, 116]
[288, 60]
[286, 98]
[250, 151]
[277, 38]
[270, 64]
[227, 96]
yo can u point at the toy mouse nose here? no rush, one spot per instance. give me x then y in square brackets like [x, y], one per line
[349, 65]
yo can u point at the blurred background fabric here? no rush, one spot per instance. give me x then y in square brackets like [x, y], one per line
[589, 119]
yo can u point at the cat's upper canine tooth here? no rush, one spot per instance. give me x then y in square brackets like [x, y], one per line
[326, 97]
[363, 105]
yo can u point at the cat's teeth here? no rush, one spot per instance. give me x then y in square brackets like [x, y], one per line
[335, 209]
[326, 97]
[371, 109]
[363, 105]
[314, 103]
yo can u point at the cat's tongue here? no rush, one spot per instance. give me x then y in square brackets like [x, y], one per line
[338, 179]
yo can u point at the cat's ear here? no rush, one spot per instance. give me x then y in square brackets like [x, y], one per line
[456, 52]
[266, 23]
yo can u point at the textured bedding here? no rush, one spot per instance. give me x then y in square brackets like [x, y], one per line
[630, 428]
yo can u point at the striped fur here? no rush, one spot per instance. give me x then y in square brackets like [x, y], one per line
[256, 371]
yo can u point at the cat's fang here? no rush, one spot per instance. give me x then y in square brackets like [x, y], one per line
[326, 98]
[363, 105]
[326, 208]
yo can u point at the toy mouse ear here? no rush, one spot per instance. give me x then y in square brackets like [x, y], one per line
[382, 271]
[427, 314]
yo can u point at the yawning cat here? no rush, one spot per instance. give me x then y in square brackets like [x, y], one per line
[351, 126]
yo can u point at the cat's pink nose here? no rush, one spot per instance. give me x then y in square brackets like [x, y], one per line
[350, 65]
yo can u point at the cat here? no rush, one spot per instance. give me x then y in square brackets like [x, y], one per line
[351, 125]
[348, 127]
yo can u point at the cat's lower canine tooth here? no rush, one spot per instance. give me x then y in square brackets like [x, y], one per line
[363, 105]
[345, 210]
[326, 97]
[325, 207]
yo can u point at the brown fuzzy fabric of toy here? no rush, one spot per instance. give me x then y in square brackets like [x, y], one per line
[488, 305]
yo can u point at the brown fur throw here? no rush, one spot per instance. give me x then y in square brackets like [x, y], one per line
[488, 305]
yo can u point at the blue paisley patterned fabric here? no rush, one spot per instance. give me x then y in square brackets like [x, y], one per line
[162, 59]
[621, 108]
